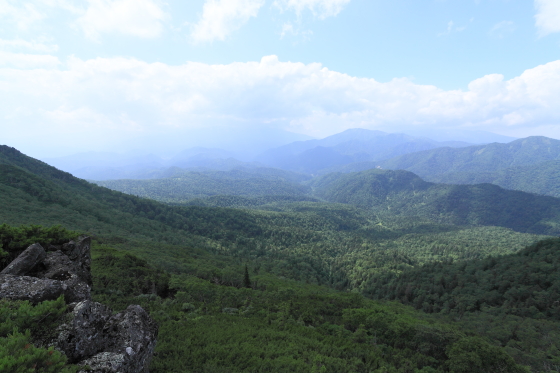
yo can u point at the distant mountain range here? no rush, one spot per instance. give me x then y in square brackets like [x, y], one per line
[530, 164]
[311, 156]
[350, 146]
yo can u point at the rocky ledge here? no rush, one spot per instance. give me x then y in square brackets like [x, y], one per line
[91, 335]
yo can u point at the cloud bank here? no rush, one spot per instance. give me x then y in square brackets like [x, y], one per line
[128, 98]
[548, 16]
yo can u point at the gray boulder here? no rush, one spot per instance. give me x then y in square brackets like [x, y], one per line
[132, 339]
[32, 289]
[79, 252]
[83, 336]
[26, 261]
[59, 266]
[76, 290]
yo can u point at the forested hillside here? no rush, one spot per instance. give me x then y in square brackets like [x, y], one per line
[278, 287]
[481, 158]
[404, 193]
[541, 178]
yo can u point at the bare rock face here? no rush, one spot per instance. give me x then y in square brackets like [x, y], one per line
[32, 289]
[83, 335]
[26, 261]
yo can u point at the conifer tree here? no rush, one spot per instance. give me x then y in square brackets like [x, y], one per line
[246, 279]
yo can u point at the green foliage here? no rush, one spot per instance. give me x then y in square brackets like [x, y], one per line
[14, 240]
[262, 202]
[22, 315]
[475, 355]
[525, 284]
[17, 350]
[116, 273]
[19, 355]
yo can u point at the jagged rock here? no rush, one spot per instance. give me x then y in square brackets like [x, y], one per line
[79, 253]
[32, 289]
[76, 290]
[26, 261]
[132, 335]
[83, 336]
[106, 362]
[58, 266]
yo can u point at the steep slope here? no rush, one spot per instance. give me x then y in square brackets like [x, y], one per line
[431, 164]
[404, 193]
[353, 145]
[36, 193]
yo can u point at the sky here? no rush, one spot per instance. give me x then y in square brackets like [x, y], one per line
[118, 75]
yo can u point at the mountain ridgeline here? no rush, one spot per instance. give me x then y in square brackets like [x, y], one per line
[350, 146]
[528, 164]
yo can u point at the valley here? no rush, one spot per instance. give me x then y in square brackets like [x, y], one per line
[374, 270]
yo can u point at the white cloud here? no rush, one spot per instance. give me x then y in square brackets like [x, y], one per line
[141, 18]
[221, 17]
[320, 8]
[23, 15]
[502, 29]
[548, 16]
[451, 27]
[127, 98]
[27, 61]
[29, 45]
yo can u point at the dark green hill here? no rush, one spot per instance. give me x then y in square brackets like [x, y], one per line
[404, 193]
[542, 178]
[476, 159]
[525, 284]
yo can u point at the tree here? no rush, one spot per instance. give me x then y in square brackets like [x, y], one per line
[246, 279]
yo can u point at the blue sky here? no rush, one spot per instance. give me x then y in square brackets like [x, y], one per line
[133, 73]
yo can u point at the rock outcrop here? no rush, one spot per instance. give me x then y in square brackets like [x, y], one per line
[92, 336]
[131, 343]
[26, 261]
[29, 288]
